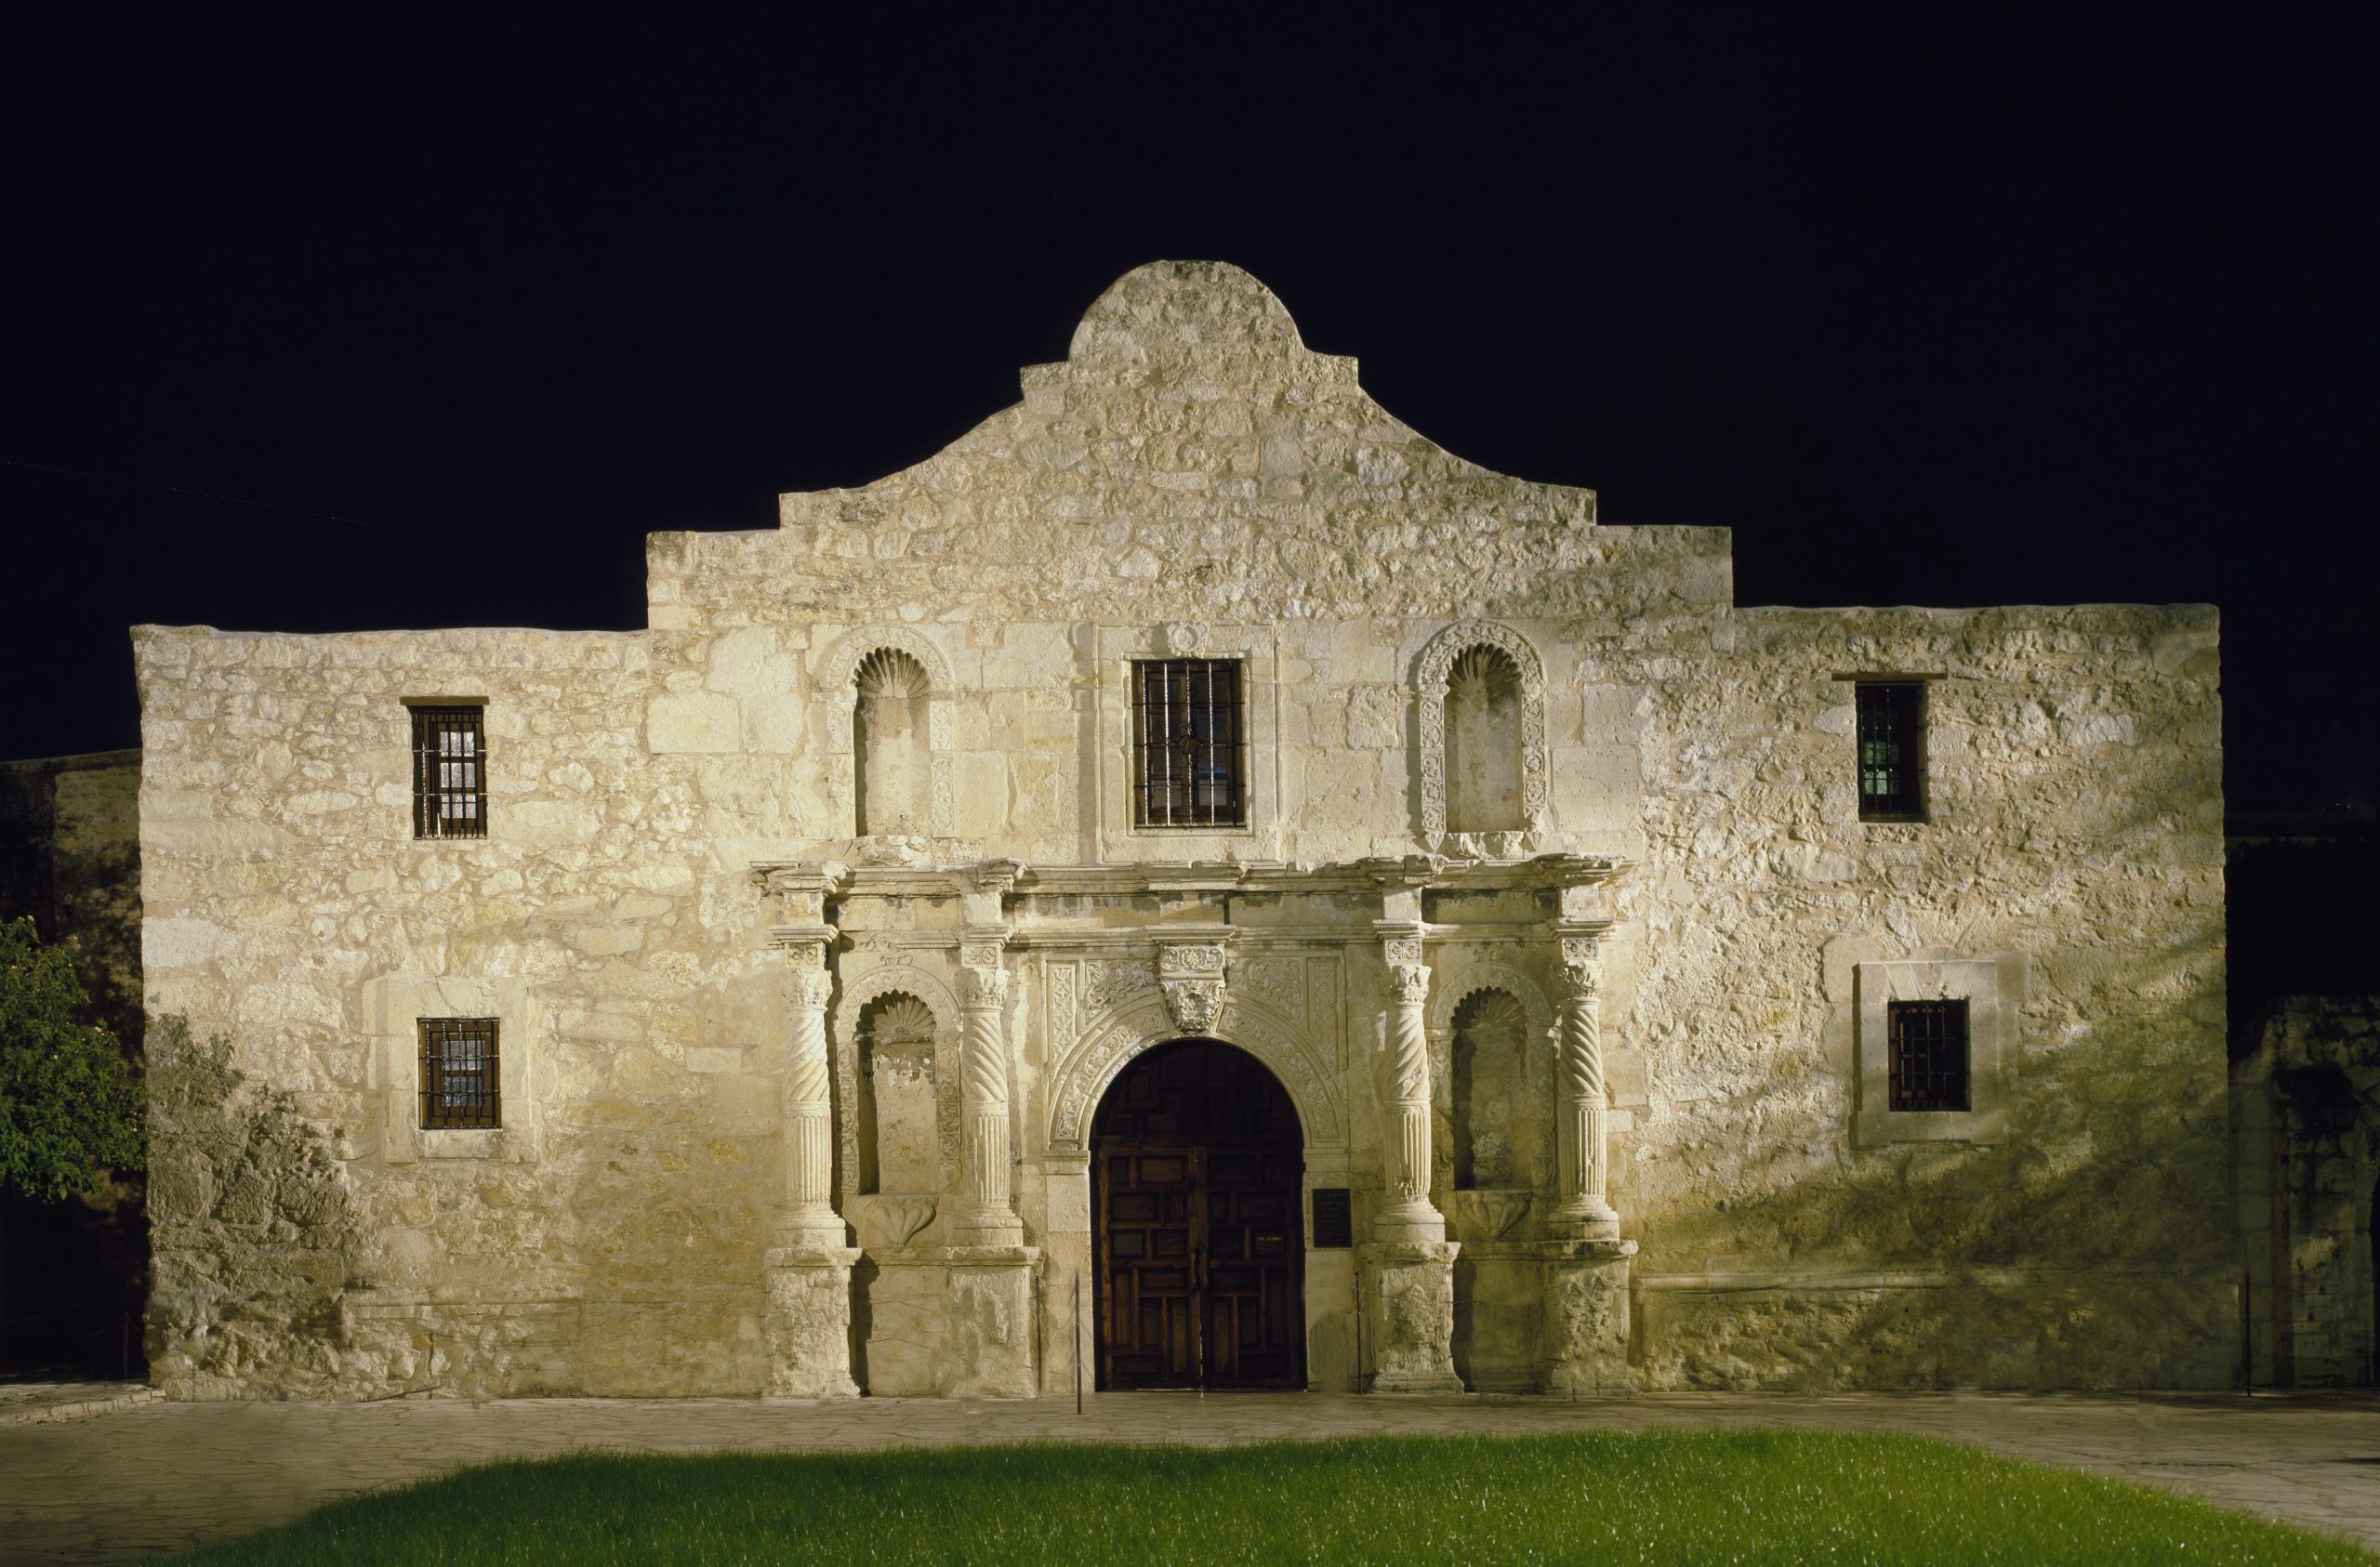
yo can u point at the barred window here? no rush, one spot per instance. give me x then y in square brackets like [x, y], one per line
[1928, 1062]
[449, 772]
[1892, 750]
[458, 1082]
[1189, 749]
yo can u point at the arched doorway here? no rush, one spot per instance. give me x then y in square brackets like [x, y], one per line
[1195, 1220]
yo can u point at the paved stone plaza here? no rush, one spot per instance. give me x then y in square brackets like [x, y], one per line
[120, 1486]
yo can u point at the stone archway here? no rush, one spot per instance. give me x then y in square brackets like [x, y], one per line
[1197, 1223]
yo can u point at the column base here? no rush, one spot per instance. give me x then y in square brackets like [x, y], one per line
[1586, 1318]
[993, 1231]
[806, 1321]
[992, 1322]
[1408, 1316]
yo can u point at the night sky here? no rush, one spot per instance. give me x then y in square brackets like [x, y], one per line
[429, 322]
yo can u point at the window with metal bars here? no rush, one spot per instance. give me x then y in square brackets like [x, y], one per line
[1928, 1062]
[458, 1081]
[449, 772]
[1892, 750]
[1189, 748]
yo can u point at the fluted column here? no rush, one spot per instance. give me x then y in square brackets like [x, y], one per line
[806, 1275]
[808, 1120]
[987, 1216]
[1582, 1211]
[1405, 1130]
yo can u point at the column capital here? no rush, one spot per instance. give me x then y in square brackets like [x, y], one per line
[982, 988]
[801, 887]
[1400, 939]
[1579, 942]
[806, 945]
[980, 946]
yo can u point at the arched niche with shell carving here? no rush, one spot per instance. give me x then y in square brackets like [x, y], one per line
[1480, 689]
[888, 695]
[896, 1044]
[1496, 1028]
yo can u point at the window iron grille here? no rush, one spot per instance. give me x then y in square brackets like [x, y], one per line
[1892, 750]
[1929, 1054]
[458, 1073]
[449, 772]
[1189, 751]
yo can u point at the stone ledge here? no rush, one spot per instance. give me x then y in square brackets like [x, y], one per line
[28, 1403]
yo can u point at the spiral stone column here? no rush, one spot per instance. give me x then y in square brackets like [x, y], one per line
[806, 1276]
[1405, 1130]
[985, 1217]
[990, 1347]
[1582, 1211]
[1406, 1280]
[1587, 1264]
[809, 1217]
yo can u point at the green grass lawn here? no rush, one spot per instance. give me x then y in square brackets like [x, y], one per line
[1661, 1498]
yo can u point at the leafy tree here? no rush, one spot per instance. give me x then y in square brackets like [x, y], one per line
[69, 1103]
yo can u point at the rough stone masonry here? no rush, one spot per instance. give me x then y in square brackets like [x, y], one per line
[815, 923]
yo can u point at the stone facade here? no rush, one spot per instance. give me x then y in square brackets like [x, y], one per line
[1552, 912]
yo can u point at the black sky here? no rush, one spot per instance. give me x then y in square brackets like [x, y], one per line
[1931, 305]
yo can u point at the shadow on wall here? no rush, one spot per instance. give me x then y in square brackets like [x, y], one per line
[255, 1242]
[2093, 1247]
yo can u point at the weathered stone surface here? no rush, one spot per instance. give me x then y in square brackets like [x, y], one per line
[1194, 483]
[1408, 1307]
[807, 1320]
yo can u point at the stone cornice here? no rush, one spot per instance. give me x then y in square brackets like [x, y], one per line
[1020, 881]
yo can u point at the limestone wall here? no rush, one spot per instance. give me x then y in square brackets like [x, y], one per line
[2074, 854]
[1194, 483]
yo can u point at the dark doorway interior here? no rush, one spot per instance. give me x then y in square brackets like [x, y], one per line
[1196, 1216]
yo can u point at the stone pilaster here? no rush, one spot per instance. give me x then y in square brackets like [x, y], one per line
[806, 1276]
[1582, 1211]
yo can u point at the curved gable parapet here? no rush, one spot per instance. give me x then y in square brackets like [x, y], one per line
[1191, 451]
[1179, 323]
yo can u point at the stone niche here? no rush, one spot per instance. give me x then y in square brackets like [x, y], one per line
[896, 1124]
[892, 761]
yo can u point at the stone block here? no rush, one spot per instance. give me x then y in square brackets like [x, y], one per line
[694, 721]
[808, 1324]
[1409, 1308]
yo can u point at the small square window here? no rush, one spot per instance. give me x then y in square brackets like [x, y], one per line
[1892, 750]
[1189, 746]
[449, 772]
[1928, 1045]
[458, 1074]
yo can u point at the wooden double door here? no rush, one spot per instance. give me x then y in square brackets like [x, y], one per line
[1196, 1211]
